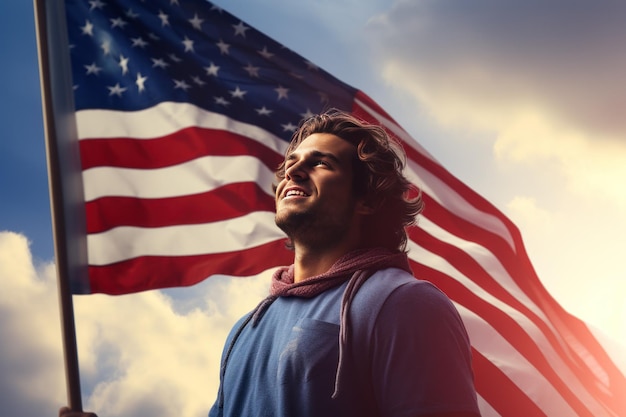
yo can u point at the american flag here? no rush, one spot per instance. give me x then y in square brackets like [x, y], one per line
[183, 111]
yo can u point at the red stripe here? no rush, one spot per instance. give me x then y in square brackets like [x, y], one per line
[500, 392]
[149, 272]
[184, 145]
[229, 201]
[506, 326]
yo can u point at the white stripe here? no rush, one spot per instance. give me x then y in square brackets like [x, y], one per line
[563, 372]
[455, 203]
[486, 410]
[193, 177]
[396, 129]
[436, 188]
[528, 379]
[235, 234]
[164, 119]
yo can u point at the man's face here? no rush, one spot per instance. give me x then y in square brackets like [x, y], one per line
[315, 201]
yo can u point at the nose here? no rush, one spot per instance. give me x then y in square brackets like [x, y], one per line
[296, 171]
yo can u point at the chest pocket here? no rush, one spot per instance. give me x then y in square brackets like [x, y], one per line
[310, 354]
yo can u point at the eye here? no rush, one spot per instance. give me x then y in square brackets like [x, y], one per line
[320, 162]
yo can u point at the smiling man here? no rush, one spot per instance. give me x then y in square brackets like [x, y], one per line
[347, 330]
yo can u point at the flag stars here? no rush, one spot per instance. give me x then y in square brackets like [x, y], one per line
[131, 14]
[289, 127]
[198, 80]
[311, 65]
[188, 44]
[240, 29]
[93, 69]
[263, 111]
[106, 47]
[165, 19]
[265, 53]
[87, 29]
[252, 70]
[212, 70]
[196, 22]
[282, 92]
[174, 58]
[118, 22]
[181, 84]
[308, 114]
[124, 64]
[141, 81]
[138, 42]
[223, 47]
[116, 90]
[237, 93]
[159, 63]
[221, 101]
[95, 4]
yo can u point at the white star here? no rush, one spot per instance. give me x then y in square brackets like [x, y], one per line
[172, 2]
[212, 69]
[221, 100]
[289, 127]
[223, 47]
[265, 53]
[197, 80]
[93, 69]
[139, 42]
[308, 114]
[153, 36]
[174, 58]
[159, 63]
[282, 92]
[240, 29]
[106, 47]
[252, 70]
[196, 22]
[164, 18]
[188, 44]
[116, 90]
[263, 111]
[323, 97]
[118, 22]
[217, 9]
[95, 4]
[88, 28]
[140, 81]
[131, 15]
[181, 84]
[124, 64]
[237, 93]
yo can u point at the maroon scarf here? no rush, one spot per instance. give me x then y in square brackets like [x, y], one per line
[360, 260]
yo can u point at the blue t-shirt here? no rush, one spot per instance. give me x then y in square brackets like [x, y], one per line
[408, 354]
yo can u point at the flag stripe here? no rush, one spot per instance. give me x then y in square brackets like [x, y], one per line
[127, 242]
[225, 202]
[175, 271]
[178, 148]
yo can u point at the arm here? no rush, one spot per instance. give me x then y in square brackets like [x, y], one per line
[421, 356]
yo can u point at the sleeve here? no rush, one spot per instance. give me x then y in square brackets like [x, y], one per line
[420, 355]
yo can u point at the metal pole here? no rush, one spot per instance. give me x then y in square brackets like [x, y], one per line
[51, 33]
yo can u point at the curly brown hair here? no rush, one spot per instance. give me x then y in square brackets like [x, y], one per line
[378, 176]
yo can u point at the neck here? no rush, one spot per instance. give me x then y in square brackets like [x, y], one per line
[309, 262]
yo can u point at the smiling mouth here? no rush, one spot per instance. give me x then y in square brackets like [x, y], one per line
[296, 193]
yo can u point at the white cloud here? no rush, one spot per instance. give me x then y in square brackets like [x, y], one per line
[148, 354]
[546, 79]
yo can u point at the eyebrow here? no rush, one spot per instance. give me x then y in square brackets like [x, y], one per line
[315, 154]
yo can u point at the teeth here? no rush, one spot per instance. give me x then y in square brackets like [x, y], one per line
[295, 192]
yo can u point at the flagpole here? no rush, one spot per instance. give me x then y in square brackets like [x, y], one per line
[60, 130]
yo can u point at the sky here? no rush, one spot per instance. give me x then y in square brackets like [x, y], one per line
[521, 100]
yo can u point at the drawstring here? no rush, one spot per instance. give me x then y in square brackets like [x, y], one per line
[357, 280]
